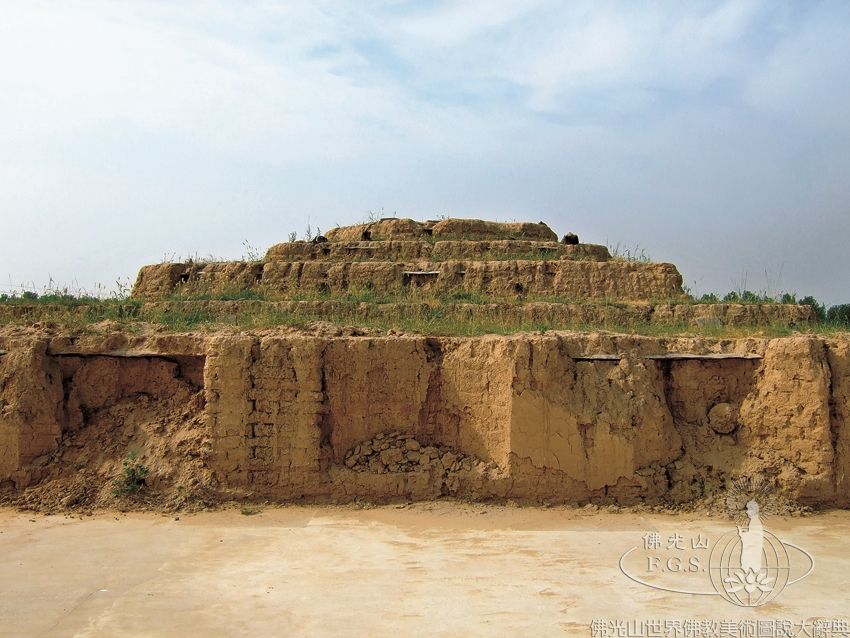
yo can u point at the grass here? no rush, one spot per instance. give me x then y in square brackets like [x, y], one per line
[438, 320]
[622, 252]
[422, 311]
[401, 295]
[223, 295]
[431, 321]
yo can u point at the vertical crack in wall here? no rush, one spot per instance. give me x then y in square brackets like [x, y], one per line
[253, 438]
[838, 361]
[430, 408]
[326, 449]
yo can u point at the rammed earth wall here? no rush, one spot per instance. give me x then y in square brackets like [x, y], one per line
[556, 417]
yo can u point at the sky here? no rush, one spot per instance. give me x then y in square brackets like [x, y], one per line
[713, 135]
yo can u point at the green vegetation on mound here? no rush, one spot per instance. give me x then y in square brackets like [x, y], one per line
[419, 311]
[424, 319]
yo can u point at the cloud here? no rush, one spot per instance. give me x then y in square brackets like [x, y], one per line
[804, 79]
[257, 78]
[557, 54]
[91, 66]
[208, 120]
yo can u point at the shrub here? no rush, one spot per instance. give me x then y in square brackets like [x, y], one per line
[132, 478]
[819, 308]
[839, 314]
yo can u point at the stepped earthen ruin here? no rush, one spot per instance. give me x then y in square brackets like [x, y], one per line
[342, 414]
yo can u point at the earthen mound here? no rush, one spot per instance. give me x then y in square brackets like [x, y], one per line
[473, 229]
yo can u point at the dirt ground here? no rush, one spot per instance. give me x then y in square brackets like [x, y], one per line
[428, 569]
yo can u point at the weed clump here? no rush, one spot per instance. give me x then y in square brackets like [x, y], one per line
[132, 477]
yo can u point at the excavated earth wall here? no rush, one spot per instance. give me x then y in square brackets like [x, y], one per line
[558, 417]
[402, 250]
[613, 280]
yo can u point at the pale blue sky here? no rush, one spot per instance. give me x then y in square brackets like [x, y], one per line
[712, 135]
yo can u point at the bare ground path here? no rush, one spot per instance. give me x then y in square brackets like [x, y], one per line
[430, 569]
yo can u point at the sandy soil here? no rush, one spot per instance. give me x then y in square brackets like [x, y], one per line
[432, 569]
